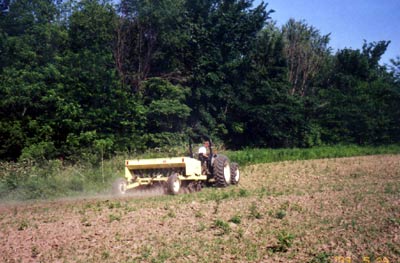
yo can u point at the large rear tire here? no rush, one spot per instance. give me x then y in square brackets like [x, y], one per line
[222, 171]
[173, 184]
[119, 186]
[235, 174]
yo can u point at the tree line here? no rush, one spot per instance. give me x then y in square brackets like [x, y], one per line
[80, 77]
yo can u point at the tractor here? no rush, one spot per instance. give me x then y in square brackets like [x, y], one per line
[180, 174]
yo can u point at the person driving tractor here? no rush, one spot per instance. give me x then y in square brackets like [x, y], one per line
[203, 155]
[203, 150]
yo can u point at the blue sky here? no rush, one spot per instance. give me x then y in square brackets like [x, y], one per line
[349, 22]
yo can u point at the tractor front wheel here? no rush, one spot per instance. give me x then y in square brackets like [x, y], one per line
[173, 184]
[119, 186]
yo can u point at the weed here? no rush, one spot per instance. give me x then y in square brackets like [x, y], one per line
[263, 192]
[254, 213]
[216, 207]
[296, 207]
[322, 257]
[393, 220]
[395, 248]
[392, 189]
[285, 241]
[280, 214]
[105, 255]
[34, 251]
[113, 217]
[224, 226]
[171, 214]
[201, 227]
[251, 251]
[113, 205]
[162, 256]
[243, 193]
[345, 202]
[24, 224]
[85, 221]
[356, 175]
[146, 252]
[198, 214]
[285, 205]
[240, 233]
[236, 219]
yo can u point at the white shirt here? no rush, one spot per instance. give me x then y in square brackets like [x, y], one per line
[202, 150]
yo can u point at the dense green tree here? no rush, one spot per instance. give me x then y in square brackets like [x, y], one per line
[265, 114]
[395, 69]
[357, 97]
[166, 112]
[84, 79]
[223, 34]
[28, 76]
[149, 40]
[96, 103]
[305, 50]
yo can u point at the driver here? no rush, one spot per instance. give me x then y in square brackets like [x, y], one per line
[203, 150]
[203, 156]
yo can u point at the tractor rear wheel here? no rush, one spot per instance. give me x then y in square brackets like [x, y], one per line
[235, 174]
[173, 184]
[119, 186]
[222, 171]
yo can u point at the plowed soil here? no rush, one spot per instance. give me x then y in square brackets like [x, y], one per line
[330, 210]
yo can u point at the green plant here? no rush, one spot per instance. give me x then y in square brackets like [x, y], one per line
[105, 255]
[243, 192]
[112, 205]
[236, 219]
[322, 257]
[280, 214]
[224, 226]
[198, 214]
[24, 224]
[216, 207]
[392, 188]
[34, 251]
[171, 213]
[162, 256]
[85, 221]
[285, 241]
[113, 217]
[201, 227]
[253, 211]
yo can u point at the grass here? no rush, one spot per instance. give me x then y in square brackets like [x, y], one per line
[256, 156]
[54, 179]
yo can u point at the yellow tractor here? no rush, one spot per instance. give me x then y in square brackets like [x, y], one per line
[179, 174]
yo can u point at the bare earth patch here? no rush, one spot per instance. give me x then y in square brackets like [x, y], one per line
[330, 210]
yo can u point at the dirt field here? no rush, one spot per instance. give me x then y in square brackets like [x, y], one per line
[332, 210]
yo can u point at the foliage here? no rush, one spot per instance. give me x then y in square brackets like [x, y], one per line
[83, 80]
[305, 50]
